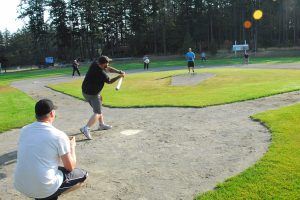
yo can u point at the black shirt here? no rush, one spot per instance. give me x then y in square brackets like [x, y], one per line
[94, 80]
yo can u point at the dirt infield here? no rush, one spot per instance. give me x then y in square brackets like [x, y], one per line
[174, 153]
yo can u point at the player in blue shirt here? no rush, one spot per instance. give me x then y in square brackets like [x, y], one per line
[190, 57]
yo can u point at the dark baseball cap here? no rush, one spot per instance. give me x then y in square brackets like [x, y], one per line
[104, 59]
[43, 107]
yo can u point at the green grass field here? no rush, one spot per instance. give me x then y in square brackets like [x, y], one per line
[229, 85]
[16, 108]
[275, 176]
[134, 64]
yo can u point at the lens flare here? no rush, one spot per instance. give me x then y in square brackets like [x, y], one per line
[247, 24]
[258, 14]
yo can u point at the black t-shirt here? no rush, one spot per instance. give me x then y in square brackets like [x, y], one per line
[94, 80]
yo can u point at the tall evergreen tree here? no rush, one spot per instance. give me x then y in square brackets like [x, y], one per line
[86, 28]
[34, 10]
[59, 23]
[137, 23]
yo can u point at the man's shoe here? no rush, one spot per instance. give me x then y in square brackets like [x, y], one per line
[86, 132]
[104, 127]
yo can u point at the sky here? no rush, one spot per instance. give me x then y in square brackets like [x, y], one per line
[8, 16]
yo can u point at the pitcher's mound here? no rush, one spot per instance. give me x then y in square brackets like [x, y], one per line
[190, 79]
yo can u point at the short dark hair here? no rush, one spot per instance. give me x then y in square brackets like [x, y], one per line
[44, 107]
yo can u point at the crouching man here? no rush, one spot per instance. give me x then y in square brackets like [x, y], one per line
[41, 148]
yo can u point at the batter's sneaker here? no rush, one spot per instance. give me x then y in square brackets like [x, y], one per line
[86, 132]
[104, 127]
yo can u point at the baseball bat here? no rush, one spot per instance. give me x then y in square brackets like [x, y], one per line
[119, 83]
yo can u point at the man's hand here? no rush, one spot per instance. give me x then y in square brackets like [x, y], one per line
[72, 141]
[122, 74]
[69, 159]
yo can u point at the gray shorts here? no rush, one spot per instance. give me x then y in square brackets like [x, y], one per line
[95, 102]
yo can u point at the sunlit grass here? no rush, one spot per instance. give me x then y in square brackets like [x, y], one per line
[277, 174]
[229, 85]
[16, 108]
[7, 78]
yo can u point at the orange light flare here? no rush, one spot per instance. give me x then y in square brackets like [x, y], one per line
[247, 24]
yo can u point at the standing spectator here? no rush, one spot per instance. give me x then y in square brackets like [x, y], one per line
[41, 148]
[190, 56]
[146, 62]
[246, 58]
[75, 66]
[92, 86]
[203, 56]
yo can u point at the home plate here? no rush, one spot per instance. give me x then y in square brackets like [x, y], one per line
[131, 132]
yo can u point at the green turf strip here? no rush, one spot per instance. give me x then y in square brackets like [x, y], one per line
[137, 63]
[277, 174]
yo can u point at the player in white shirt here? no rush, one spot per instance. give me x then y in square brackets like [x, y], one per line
[41, 147]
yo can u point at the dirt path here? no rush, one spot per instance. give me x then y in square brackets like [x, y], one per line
[178, 152]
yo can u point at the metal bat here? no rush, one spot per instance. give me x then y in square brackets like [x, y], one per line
[119, 83]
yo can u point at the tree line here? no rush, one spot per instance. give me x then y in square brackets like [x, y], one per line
[68, 29]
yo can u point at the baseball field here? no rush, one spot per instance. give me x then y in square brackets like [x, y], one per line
[229, 131]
